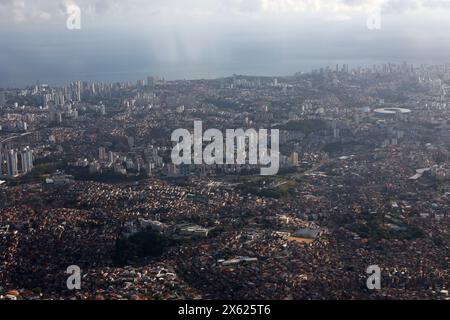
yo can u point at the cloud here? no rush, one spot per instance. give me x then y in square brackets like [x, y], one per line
[23, 11]
[400, 6]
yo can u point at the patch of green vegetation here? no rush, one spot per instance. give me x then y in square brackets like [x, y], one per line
[92, 225]
[48, 168]
[335, 147]
[351, 147]
[374, 227]
[38, 172]
[258, 188]
[144, 244]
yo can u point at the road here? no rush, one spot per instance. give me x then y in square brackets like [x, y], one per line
[15, 137]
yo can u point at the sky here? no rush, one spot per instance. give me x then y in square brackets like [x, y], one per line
[191, 39]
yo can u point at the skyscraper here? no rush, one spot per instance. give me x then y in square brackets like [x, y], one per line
[150, 82]
[60, 98]
[77, 91]
[102, 153]
[1, 160]
[26, 158]
[12, 163]
[46, 98]
[111, 157]
[2, 99]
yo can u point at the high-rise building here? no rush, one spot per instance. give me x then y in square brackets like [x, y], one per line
[293, 159]
[150, 82]
[148, 168]
[46, 99]
[26, 157]
[130, 142]
[77, 91]
[13, 170]
[336, 133]
[59, 117]
[1, 161]
[102, 153]
[2, 99]
[172, 170]
[111, 157]
[59, 98]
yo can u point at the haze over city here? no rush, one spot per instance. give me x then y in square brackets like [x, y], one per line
[124, 40]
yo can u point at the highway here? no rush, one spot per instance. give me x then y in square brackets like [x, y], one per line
[15, 137]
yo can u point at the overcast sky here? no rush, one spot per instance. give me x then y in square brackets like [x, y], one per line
[128, 39]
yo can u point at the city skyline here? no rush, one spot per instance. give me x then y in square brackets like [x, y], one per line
[142, 77]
